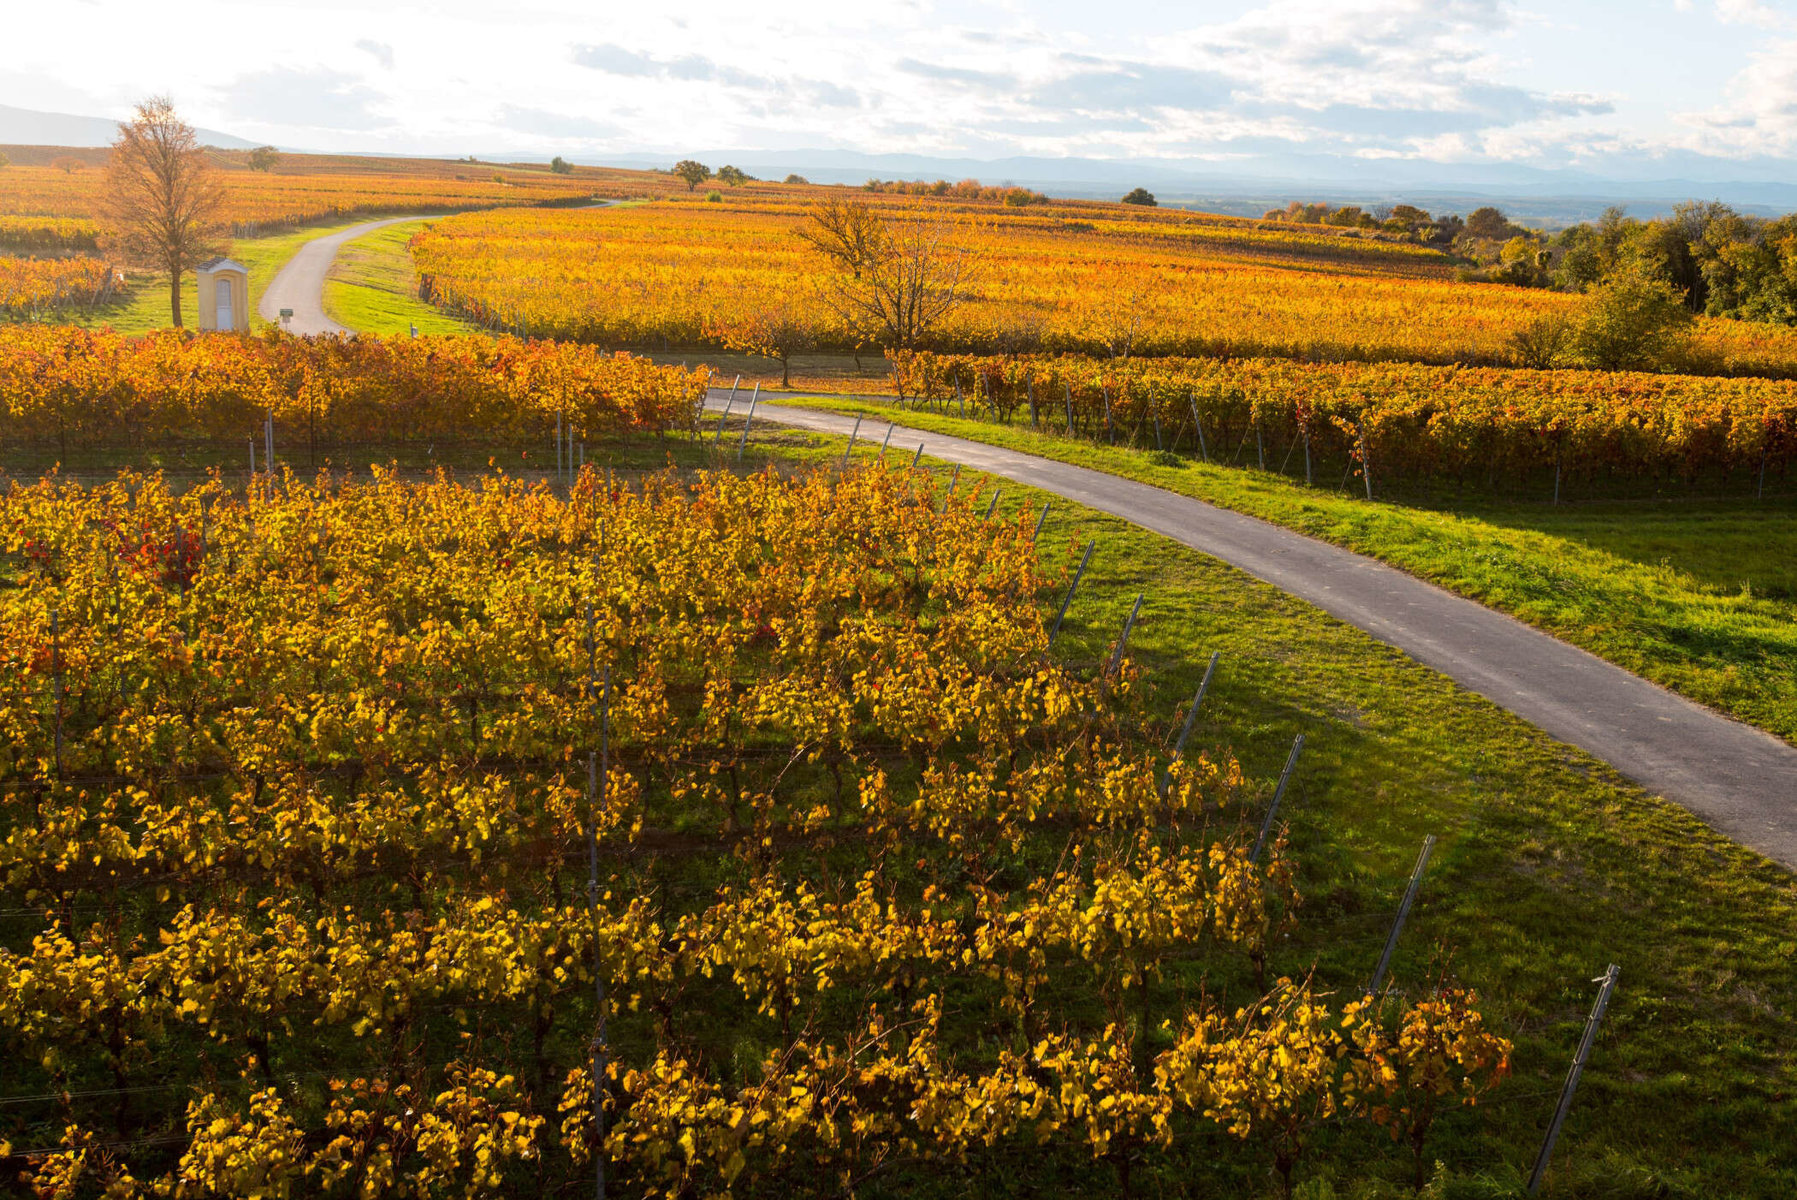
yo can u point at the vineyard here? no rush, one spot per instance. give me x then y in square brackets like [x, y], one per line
[1091, 279]
[66, 389]
[353, 830]
[42, 208]
[1396, 422]
[34, 287]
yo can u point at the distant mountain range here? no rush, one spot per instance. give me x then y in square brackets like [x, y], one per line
[26, 127]
[1248, 186]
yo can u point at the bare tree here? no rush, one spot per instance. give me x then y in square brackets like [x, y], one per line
[847, 232]
[162, 203]
[895, 280]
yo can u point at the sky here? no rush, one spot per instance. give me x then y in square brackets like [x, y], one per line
[1553, 83]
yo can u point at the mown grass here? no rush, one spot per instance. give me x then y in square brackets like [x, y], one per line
[1549, 867]
[372, 288]
[1697, 594]
[145, 306]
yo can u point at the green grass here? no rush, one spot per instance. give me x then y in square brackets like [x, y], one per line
[1549, 867]
[1698, 595]
[146, 306]
[371, 287]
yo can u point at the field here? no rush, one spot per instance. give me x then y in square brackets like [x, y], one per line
[867, 849]
[1087, 278]
[42, 207]
[452, 765]
[51, 267]
[1695, 590]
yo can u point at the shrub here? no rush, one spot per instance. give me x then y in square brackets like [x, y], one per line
[1634, 323]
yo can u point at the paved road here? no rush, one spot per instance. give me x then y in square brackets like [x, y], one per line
[300, 284]
[1740, 780]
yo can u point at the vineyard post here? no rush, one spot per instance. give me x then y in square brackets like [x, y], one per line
[252, 460]
[846, 450]
[1185, 731]
[596, 784]
[56, 674]
[560, 474]
[1073, 587]
[1116, 662]
[1307, 455]
[1029, 387]
[724, 419]
[1260, 446]
[888, 438]
[1366, 464]
[1068, 388]
[1764, 451]
[268, 431]
[916, 458]
[960, 404]
[1556, 475]
[1608, 979]
[749, 420]
[954, 477]
[1041, 517]
[1203, 450]
[1157, 428]
[1106, 393]
[993, 507]
[1397, 926]
[1285, 777]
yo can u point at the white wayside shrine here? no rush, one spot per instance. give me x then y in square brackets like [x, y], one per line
[224, 294]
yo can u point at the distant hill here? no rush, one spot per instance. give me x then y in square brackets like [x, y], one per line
[28, 127]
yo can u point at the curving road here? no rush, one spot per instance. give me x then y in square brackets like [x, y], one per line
[1740, 780]
[300, 284]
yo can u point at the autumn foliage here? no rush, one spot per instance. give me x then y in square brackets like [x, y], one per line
[295, 817]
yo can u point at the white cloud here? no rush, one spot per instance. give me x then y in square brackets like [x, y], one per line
[1520, 79]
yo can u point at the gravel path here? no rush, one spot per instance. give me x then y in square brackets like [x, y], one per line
[1740, 780]
[300, 284]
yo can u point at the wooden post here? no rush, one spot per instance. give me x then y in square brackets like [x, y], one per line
[1285, 777]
